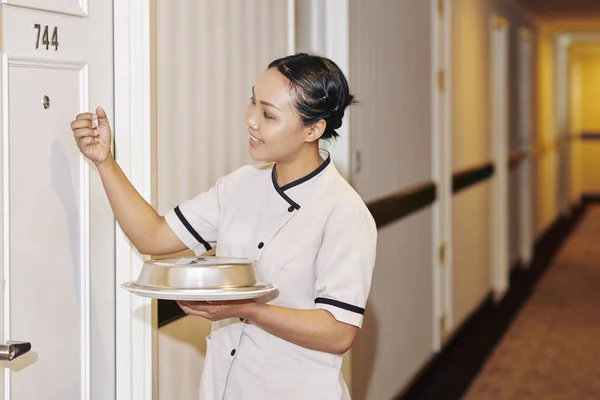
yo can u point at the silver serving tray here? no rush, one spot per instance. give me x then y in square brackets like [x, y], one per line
[200, 278]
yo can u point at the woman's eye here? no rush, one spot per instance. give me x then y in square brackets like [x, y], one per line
[267, 116]
[252, 100]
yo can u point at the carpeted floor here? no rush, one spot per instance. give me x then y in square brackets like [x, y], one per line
[551, 351]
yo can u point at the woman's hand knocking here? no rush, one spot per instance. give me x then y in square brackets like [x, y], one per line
[93, 136]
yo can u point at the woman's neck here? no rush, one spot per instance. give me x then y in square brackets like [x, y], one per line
[305, 162]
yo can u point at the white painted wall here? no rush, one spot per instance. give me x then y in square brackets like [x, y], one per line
[209, 55]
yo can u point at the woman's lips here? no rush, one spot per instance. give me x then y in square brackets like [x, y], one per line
[254, 141]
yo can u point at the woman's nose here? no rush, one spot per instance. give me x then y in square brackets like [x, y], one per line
[252, 125]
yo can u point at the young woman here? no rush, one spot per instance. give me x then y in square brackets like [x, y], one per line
[296, 217]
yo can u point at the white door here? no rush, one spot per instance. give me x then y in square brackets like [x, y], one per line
[57, 226]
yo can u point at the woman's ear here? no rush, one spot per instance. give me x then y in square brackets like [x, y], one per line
[316, 130]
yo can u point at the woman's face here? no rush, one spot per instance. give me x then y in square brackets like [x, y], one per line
[274, 125]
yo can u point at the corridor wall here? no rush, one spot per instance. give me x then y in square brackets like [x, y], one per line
[589, 128]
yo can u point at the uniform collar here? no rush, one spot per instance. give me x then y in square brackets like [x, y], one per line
[282, 189]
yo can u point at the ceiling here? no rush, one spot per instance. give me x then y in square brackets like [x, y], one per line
[562, 7]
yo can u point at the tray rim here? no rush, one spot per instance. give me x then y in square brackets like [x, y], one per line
[235, 293]
[225, 261]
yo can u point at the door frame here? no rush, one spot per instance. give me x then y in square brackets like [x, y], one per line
[561, 128]
[136, 326]
[441, 93]
[499, 81]
[526, 62]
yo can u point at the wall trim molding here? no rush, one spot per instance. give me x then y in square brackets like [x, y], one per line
[403, 203]
[589, 136]
[132, 131]
[471, 176]
[587, 198]
[450, 372]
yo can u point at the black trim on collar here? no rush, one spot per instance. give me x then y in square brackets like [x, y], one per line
[281, 190]
[339, 304]
[189, 227]
[316, 172]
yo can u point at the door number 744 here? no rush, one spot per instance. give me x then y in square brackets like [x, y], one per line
[45, 37]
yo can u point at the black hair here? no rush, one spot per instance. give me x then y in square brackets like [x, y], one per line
[319, 89]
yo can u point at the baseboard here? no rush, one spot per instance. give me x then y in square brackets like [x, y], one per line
[449, 374]
[589, 198]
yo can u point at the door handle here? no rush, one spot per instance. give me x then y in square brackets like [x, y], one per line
[12, 350]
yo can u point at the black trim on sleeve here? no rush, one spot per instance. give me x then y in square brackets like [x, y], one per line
[189, 227]
[339, 304]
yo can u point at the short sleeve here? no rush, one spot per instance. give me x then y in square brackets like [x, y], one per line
[195, 221]
[345, 263]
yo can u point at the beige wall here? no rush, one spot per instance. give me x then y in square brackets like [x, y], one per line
[590, 122]
[471, 25]
[391, 74]
[471, 275]
[470, 84]
[471, 147]
[181, 352]
[578, 149]
[547, 160]
[546, 199]
[590, 92]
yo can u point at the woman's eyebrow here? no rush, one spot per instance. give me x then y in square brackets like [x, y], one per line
[265, 102]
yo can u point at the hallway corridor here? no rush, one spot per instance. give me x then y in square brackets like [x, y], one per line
[551, 349]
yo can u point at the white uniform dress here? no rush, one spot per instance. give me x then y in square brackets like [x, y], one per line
[316, 240]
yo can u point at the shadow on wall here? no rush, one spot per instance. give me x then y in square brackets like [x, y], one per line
[364, 351]
[66, 184]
